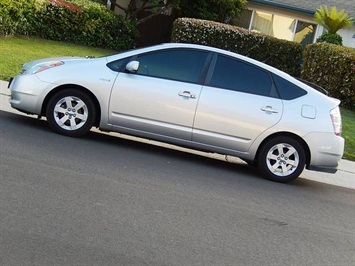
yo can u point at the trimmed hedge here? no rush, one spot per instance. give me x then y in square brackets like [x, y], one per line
[333, 68]
[284, 55]
[17, 17]
[76, 21]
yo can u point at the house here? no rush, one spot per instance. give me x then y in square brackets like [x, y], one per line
[293, 20]
[287, 19]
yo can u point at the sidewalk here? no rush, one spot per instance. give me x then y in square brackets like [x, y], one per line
[344, 177]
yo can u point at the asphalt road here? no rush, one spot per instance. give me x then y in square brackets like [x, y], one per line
[104, 200]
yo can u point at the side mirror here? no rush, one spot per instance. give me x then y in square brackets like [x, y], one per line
[132, 66]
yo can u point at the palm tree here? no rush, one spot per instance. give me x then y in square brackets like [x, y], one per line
[332, 21]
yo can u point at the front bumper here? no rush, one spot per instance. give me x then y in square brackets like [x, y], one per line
[27, 93]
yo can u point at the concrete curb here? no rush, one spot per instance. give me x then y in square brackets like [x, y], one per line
[3, 88]
[345, 177]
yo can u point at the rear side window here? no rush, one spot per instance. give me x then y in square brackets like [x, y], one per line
[177, 64]
[288, 90]
[233, 74]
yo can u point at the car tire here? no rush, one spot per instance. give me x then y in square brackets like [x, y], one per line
[282, 159]
[70, 112]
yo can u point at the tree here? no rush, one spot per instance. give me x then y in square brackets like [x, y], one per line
[332, 21]
[216, 10]
[142, 10]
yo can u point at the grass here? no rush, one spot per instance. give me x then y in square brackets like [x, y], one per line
[15, 51]
[348, 118]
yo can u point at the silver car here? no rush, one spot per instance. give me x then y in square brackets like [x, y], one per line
[189, 95]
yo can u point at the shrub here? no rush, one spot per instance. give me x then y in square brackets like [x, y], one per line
[284, 55]
[19, 17]
[331, 38]
[77, 21]
[332, 67]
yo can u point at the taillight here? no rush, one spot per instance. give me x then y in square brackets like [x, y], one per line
[336, 120]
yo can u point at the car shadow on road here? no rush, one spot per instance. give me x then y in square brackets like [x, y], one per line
[231, 172]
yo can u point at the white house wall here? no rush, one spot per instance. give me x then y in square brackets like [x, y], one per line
[348, 35]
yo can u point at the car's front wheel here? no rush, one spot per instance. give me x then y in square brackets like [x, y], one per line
[70, 112]
[282, 159]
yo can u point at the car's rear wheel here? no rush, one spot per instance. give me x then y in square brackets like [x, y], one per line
[70, 112]
[282, 159]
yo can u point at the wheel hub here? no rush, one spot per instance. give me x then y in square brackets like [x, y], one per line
[70, 113]
[282, 159]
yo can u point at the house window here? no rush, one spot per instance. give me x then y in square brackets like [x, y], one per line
[244, 20]
[304, 33]
[278, 26]
[274, 25]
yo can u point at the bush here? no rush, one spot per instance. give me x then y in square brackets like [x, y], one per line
[216, 10]
[333, 68]
[77, 21]
[18, 17]
[331, 38]
[284, 55]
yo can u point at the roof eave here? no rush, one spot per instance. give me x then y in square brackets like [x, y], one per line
[283, 6]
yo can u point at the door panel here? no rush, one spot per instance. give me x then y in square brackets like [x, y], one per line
[233, 120]
[237, 105]
[154, 105]
[162, 95]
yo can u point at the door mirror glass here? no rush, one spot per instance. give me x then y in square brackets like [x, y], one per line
[132, 66]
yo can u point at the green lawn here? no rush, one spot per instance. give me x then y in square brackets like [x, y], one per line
[15, 51]
[348, 118]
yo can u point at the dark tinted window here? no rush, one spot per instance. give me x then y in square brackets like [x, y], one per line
[236, 75]
[117, 65]
[288, 90]
[182, 65]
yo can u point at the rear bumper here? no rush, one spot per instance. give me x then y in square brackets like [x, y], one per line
[324, 169]
[326, 151]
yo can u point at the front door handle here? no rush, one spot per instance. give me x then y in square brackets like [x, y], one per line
[269, 109]
[187, 94]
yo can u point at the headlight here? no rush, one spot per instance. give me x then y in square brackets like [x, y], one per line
[43, 66]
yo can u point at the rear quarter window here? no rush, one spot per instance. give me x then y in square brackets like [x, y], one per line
[287, 90]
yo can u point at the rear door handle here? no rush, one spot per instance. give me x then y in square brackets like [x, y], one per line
[269, 109]
[187, 94]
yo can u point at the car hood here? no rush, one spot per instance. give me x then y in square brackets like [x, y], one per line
[29, 65]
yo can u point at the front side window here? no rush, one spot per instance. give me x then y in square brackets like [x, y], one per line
[236, 75]
[117, 65]
[181, 65]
